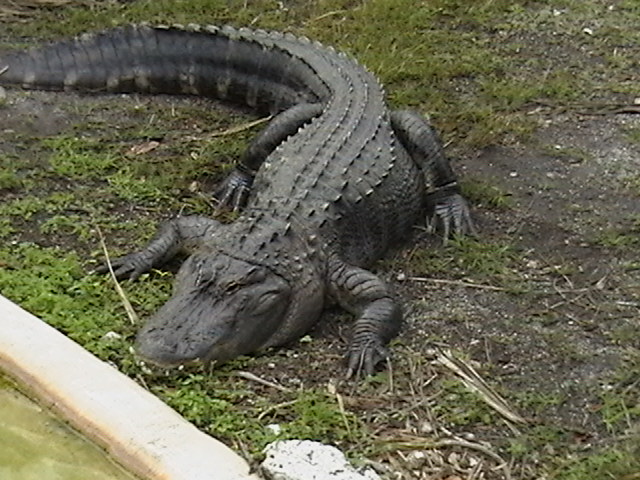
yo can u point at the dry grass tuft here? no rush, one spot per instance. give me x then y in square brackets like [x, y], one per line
[22, 10]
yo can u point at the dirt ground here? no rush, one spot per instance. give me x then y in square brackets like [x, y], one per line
[554, 330]
[563, 336]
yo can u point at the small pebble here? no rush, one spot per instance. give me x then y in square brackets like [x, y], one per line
[110, 336]
[274, 428]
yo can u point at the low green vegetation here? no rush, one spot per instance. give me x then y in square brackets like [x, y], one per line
[619, 463]
[491, 52]
[311, 413]
[621, 237]
[483, 194]
[570, 155]
[9, 181]
[469, 259]
[633, 183]
[633, 134]
[619, 405]
[79, 158]
[458, 406]
[54, 282]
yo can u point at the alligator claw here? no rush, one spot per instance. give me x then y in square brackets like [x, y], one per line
[129, 266]
[233, 192]
[452, 214]
[362, 361]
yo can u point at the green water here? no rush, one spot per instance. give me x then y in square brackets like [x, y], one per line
[34, 445]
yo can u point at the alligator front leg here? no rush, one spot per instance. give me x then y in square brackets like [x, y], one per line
[234, 190]
[178, 234]
[446, 204]
[378, 315]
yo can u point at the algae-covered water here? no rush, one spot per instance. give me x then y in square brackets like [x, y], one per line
[35, 445]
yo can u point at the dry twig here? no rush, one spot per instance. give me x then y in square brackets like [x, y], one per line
[239, 128]
[458, 283]
[23, 9]
[133, 317]
[474, 381]
[275, 407]
[262, 381]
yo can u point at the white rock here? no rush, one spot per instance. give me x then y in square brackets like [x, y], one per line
[111, 336]
[309, 460]
[416, 459]
[274, 428]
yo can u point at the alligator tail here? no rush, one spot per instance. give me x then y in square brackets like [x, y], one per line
[267, 71]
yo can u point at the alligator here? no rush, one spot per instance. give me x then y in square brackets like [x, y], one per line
[332, 182]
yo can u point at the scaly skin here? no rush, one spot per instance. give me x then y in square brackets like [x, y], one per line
[324, 190]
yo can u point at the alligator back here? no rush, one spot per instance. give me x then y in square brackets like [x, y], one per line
[343, 174]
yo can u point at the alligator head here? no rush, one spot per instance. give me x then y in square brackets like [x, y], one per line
[221, 307]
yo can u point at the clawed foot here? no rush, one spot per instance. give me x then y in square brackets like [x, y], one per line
[233, 192]
[451, 213]
[129, 266]
[363, 360]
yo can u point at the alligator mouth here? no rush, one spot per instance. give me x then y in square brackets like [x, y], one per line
[155, 352]
[160, 355]
[154, 369]
[157, 357]
[161, 364]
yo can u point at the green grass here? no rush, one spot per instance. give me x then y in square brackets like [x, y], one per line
[79, 158]
[9, 181]
[54, 283]
[633, 134]
[621, 237]
[459, 407]
[471, 259]
[620, 406]
[435, 56]
[302, 414]
[26, 207]
[483, 194]
[568, 154]
[611, 463]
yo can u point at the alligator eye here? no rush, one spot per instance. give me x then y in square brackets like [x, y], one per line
[231, 288]
[266, 301]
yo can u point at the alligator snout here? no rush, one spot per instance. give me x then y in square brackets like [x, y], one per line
[161, 351]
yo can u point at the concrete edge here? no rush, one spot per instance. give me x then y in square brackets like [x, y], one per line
[136, 428]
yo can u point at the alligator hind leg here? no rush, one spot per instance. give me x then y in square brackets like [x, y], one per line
[233, 192]
[378, 315]
[178, 234]
[446, 205]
